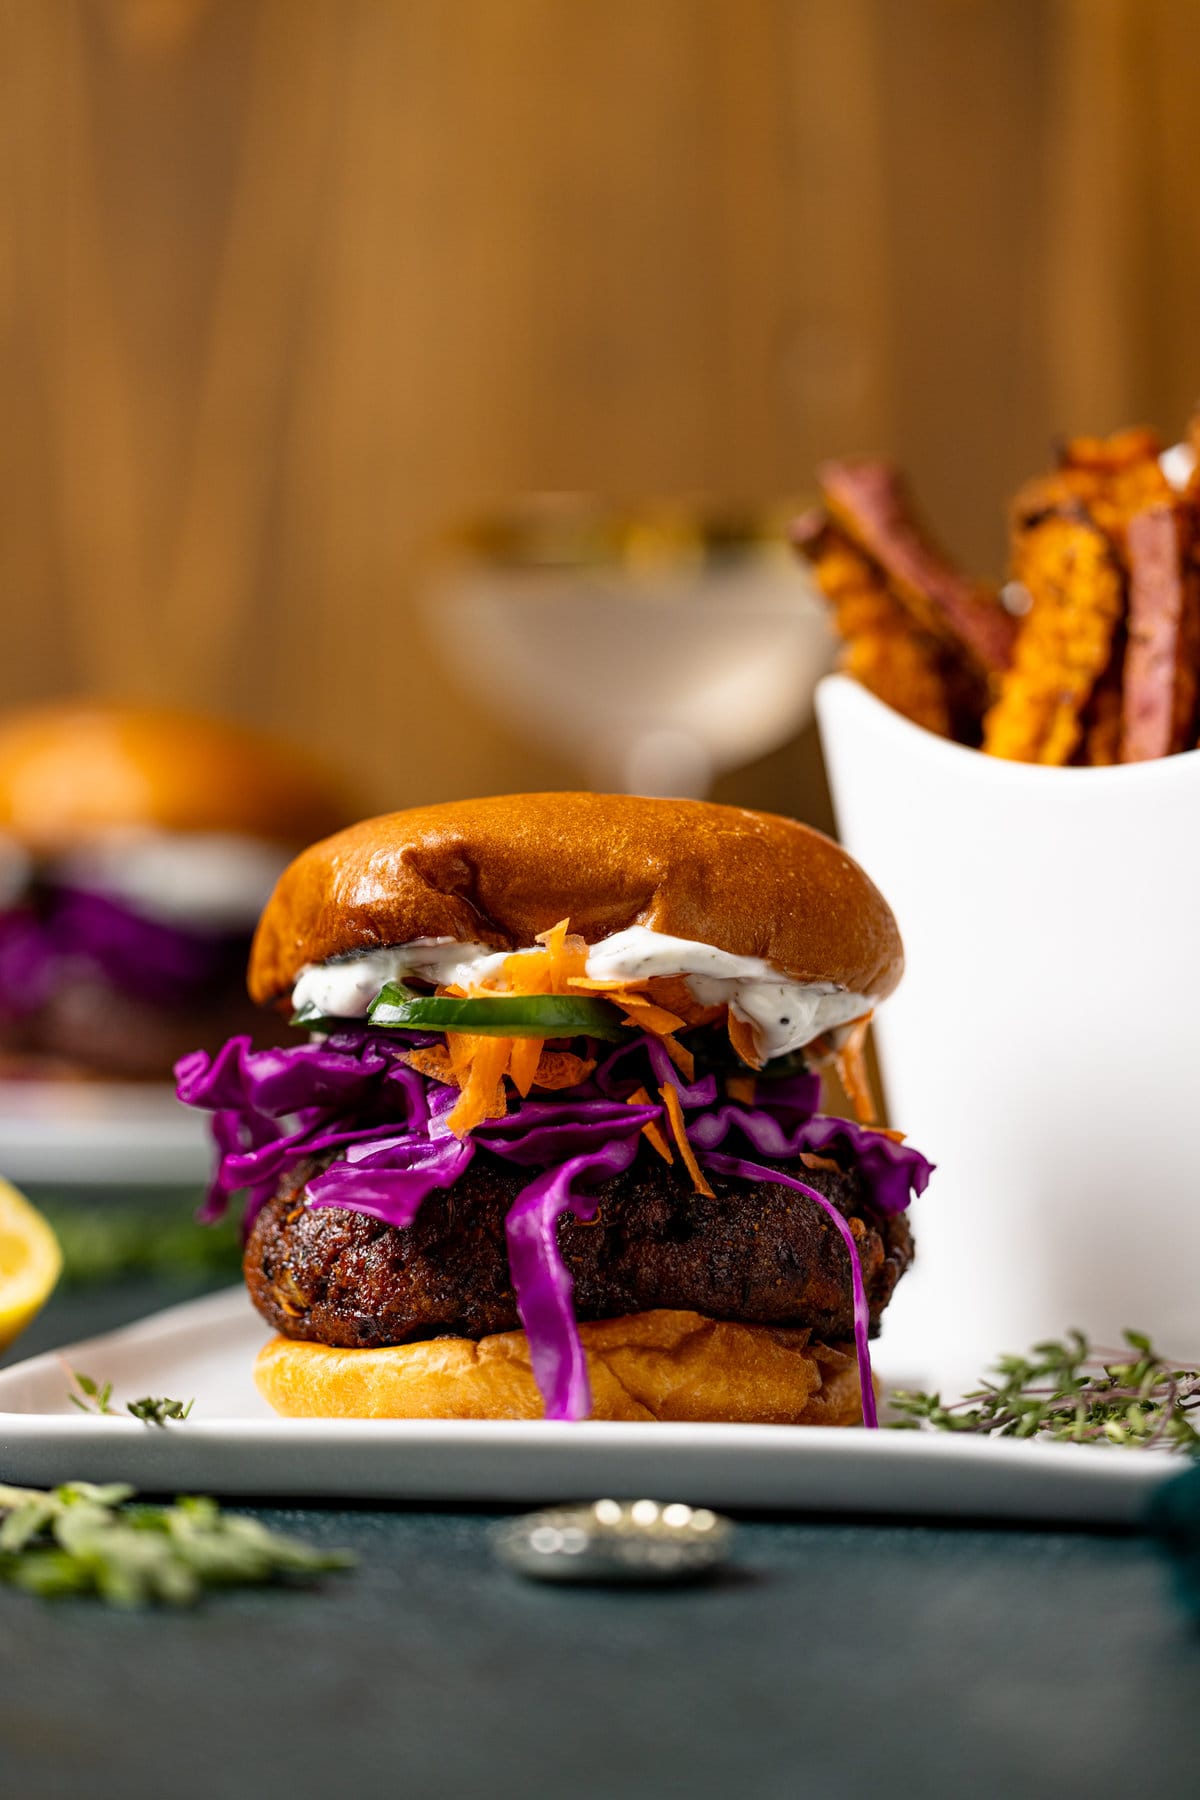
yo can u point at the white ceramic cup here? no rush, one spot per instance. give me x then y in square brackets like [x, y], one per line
[1044, 1046]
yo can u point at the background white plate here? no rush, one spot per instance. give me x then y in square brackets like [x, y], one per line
[96, 1134]
[234, 1444]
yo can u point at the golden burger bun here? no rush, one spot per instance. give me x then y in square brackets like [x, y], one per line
[499, 871]
[82, 769]
[654, 1365]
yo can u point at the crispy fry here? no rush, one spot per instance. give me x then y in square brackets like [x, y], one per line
[868, 499]
[1071, 572]
[1103, 666]
[1135, 445]
[1113, 479]
[1160, 678]
[1100, 726]
[1068, 696]
[883, 651]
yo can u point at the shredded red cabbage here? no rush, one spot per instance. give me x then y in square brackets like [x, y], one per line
[75, 930]
[388, 1179]
[752, 1171]
[541, 1279]
[26, 964]
[351, 1093]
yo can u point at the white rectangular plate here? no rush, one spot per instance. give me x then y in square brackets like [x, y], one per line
[101, 1134]
[234, 1444]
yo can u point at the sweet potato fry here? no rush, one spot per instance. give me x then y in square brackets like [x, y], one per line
[1103, 667]
[1070, 569]
[1134, 447]
[1066, 697]
[1100, 735]
[883, 650]
[1159, 693]
[1114, 478]
[868, 499]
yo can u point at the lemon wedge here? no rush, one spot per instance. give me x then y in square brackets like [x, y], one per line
[30, 1262]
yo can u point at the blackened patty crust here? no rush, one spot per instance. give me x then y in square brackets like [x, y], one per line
[758, 1253]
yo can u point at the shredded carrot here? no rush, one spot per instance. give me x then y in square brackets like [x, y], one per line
[812, 1161]
[647, 1017]
[673, 992]
[562, 1069]
[651, 1132]
[433, 1061]
[670, 1099]
[851, 1063]
[741, 1036]
[523, 1060]
[742, 1088]
[555, 1068]
[683, 1059]
[668, 992]
[639, 1008]
[478, 1064]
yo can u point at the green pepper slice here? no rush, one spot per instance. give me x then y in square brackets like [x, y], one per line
[498, 1015]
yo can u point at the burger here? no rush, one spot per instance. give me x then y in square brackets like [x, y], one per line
[552, 1143]
[137, 849]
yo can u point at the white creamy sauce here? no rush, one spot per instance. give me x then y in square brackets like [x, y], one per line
[345, 989]
[212, 880]
[786, 1014]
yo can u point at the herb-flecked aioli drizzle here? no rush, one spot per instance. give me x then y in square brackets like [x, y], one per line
[786, 1015]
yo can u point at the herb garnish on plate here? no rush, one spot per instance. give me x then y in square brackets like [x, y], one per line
[92, 1397]
[1076, 1392]
[84, 1539]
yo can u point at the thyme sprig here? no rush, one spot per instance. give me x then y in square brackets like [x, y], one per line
[91, 1396]
[1077, 1392]
[158, 1412]
[150, 1410]
[84, 1539]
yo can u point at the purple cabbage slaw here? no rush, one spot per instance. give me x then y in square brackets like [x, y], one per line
[73, 931]
[753, 1171]
[351, 1093]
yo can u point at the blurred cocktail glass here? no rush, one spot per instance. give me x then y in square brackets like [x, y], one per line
[653, 650]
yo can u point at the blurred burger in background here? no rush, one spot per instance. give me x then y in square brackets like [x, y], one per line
[137, 848]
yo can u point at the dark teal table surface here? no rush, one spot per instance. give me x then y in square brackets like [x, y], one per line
[839, 1659]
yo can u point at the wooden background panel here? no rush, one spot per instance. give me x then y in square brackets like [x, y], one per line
[287, 285]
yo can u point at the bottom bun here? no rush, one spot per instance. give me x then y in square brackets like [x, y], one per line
[650, 1365]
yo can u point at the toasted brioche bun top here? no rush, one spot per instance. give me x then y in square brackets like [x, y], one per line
[81, 770]
[501, 870]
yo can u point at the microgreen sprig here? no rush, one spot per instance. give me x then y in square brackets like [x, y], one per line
[1077, 1392]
